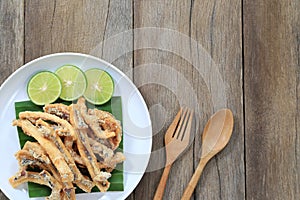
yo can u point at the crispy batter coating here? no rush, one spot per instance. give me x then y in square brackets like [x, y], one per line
[110, 159]
[59, 110]
[85, 150]
[102, 123]
[82, 182]
[93, 121]
[33, 116]
[108, 123]
[42, 178]
[54, 154]
[36, 151]
[26, 159]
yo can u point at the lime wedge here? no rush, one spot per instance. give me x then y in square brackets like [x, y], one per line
[44, 88]
[73, 82]
[100, 86]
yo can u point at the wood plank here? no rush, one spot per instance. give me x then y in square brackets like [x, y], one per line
[11, 37]
[80, 26]
[155, 65]
[2, 196]
[11, 41]
[215, 26]
[271, 34]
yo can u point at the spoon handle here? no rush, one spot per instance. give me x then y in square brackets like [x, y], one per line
[162, 183]
[194, 180]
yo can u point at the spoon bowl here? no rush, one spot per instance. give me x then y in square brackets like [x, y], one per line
[217, 133]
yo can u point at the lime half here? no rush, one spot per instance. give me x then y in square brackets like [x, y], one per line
[73, 82]
[100, 86]
[44, 88]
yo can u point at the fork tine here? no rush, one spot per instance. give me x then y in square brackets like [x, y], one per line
[185, 129]
[170, 132]
[186, 134]
[179, 127]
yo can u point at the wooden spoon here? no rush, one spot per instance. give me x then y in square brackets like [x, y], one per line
[215, 137]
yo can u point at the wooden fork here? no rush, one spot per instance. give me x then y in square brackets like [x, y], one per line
[176, 140]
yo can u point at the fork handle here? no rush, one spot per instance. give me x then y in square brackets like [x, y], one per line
[162, 183]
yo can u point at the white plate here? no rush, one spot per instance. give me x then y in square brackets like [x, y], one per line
[136, 122]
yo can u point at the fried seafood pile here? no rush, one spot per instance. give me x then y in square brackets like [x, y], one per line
[70, 140]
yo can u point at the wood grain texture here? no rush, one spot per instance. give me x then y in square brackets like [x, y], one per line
[11, 37]
[2, 196]
[192, 55]
[271, 35]
[215, 26]
[11, 41]
[79, 26]
[152, 70]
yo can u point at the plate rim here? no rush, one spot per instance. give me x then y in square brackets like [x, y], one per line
[123, 75]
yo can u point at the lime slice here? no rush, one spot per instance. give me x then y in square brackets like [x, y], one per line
[100, 86]
[73, 82]
[44, 88]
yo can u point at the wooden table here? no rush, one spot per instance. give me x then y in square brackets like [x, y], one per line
[240, 54]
